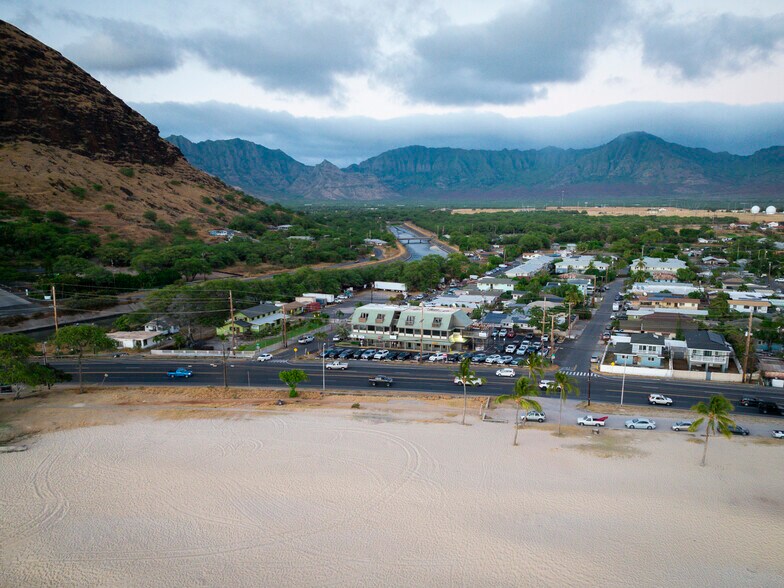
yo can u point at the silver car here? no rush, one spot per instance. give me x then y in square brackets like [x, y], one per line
[535, 415]
[640, 424]
[681, 425]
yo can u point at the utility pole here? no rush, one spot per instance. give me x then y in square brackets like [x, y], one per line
[569, 321]
[231, 310]
[623, 382]
[421, 333]
[590, 373]
[323, 366]
[544, 312]
[54, 305]
[748, 345]
[225, 372]
[285, 340]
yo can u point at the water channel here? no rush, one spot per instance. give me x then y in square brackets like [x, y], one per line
[416, 250]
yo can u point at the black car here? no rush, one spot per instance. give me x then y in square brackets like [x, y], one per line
[453, 357]
[356, 354]
[749, 401]
[325, 353]
[345, 354]
[392, 355]
[403, 355]
[737, 430]
[769, 408]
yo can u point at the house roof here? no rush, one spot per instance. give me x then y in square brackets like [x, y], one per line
[259, 310]
[646, 339]
[622, 348]
[707, 340]
[759, 303]
[660, 322]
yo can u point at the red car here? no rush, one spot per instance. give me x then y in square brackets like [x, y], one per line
[510, 334]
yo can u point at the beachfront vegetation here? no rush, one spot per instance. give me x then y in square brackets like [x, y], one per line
[525, 391]
[291, 378]
[715, 415]
[562, 385]
[79, 339]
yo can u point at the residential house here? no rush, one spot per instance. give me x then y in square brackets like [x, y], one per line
[537, 265]
[638, 349]
[648, 288]
[753, 306]
[136, 339]
[664, 277]
[160, 325]
[714, 261]
[579, 263]
[667, 301]
[653, 264]
[707, 350]
[496, 284]
[253, 319]
[410, 327]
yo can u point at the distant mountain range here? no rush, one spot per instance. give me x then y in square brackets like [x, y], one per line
[634, 165]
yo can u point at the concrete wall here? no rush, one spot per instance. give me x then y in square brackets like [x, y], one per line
[670, 373]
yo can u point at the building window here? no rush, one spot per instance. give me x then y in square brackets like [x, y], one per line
[363, 317]
[380, 318]
[436, 322]
[410, 320]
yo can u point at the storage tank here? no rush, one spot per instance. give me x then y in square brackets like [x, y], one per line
[770, 210]
[755, 209]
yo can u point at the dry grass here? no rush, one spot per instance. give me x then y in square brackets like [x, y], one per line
[610, 444]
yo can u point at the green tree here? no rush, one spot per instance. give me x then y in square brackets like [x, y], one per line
[15, 365]
[81, 338]
[562, 385]
[466, 376]
[291, 378]
[534, 365]
[523, 396]
[715, 414]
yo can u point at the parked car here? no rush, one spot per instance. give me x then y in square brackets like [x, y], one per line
[403, 355]
[474, 381]
[505, 373]
[502, 333]
[381, 354]
[453, 357]
[264, 357]
[516, 361]
[591, 421]
[337, 338]
[769, 408]
[640, 424]
[510, 334]
[535, 415]
[392, 355]
[367, 354]
[778, 434]
[438, 357]
[681, 425]
[738, 430]
[749, 401]
[479, 358]
[659, 399]
[346, 354]
[511, 348]
[305, 339]
[494, 333]
[356, 354]
[495, 358]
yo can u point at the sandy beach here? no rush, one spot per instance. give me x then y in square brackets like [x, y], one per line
[396, 493]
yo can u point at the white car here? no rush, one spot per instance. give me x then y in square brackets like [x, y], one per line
[475, 381]
[337, 338]
[640, 424]
[438, 357]
[535, 415]
[505, 373]
[337, 365]
[264, 357]
[778, 434]
[305, 339]
[659, 399]
[543, 384]
[681, 425]
[495, 358]
[511, 348]
[381, 354]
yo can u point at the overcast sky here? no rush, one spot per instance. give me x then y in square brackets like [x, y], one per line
[345, 80]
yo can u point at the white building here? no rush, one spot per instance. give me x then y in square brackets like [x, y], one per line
[653, 264]
[579, 263]
[535, 265]
[497, 284]
[753, 306]
[469, 301]
[645, 288]
[136, 339]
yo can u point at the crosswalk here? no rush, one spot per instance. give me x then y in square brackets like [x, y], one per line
[578, 374]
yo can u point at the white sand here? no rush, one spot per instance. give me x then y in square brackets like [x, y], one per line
[326, 498]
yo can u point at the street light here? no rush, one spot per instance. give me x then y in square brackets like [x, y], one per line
[623, 381]
[323, 366]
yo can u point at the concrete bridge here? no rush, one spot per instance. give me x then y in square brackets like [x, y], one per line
[409, 240]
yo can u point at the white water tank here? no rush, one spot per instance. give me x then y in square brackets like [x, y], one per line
[755, 209]
[770, 210]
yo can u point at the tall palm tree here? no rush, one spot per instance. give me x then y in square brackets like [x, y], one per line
[716, 416]
[466, 376]
[524, 391]
[534, 365]
[562, 385]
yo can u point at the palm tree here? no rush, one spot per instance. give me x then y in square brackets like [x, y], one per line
[466, 375]
[716, 416]
[562, 385]
[534, 365]
[524, 391]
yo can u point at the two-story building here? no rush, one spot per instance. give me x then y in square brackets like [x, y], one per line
[753, 306]
[496, 284]
[638, 349]
[537, 265]
[579, 263]
[253, 319]
[707, 350]
[411, 328]
[653, 264]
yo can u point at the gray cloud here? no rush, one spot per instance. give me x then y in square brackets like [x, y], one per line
[301, 56]
[507, 59]
[346, 140]
[703, 48]
[121, 47]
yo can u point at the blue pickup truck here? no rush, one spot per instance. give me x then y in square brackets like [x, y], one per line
[180, 373]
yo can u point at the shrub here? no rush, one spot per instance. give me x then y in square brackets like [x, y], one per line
[150, 215]
[355, 405]
[203, 210]
[163, 226]
[110, 207]
[55, 216]
[78, 191]
[229, 197]
[97, 187]
[175, 182]
[206, 200]
[83, 223]
[127, 172]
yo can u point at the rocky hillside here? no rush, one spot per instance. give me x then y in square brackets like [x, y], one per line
[268, 172]
[67, 143]
[632, 165]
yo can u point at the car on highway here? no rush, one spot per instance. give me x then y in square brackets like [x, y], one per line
[380, 381]
[264, 357]
[749, 401]
[544, 385]
[367, 354]
[180, 373]
[305, 339]
[591, 421]
[473, 381]
[438, 357]
[681, 425]
[778, 434]
[337, 365]
[769, 408]
[659, 399]
[595, 358]
[535, 415]
[505, 373]
[640, 424]
[738, 430]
